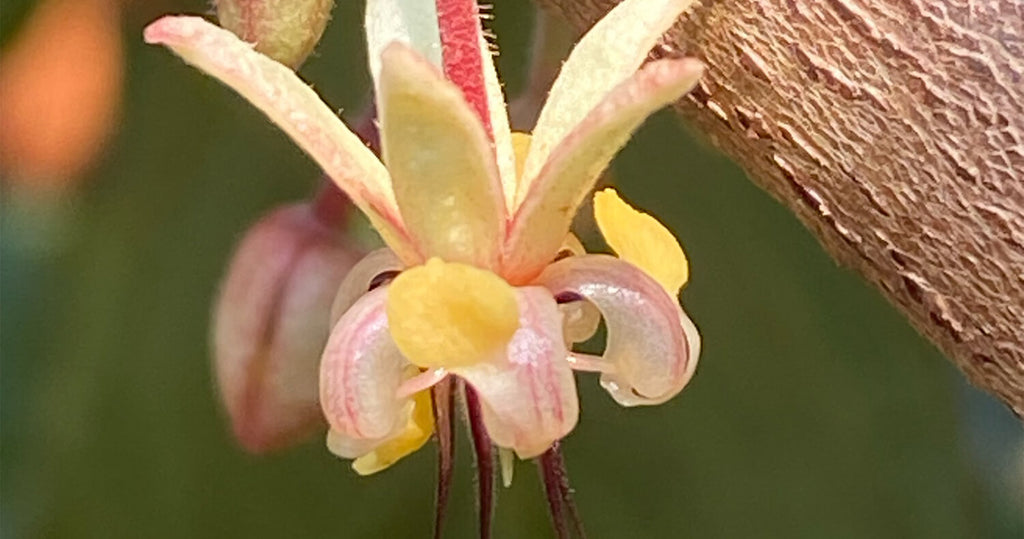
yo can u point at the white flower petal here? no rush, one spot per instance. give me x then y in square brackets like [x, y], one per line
[411, 22]
[652, 346]
[607, 55]
[295, 108]
[498, 111]
[441, 162]
[360, 372]
[528, 394]
[542, 221]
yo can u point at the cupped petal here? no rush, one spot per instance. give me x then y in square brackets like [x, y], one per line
[364, 276]
[297, 110]
[543, 220]
[580, 320]
[360, 372]
[606, 56]
[417, 431]
[528, 393]
[372, 456]
[652, 346]
[442, 166]
[412, 23]
[446, 314]
[638, 238]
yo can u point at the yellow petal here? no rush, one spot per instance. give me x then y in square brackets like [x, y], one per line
[442, 165]
[449, 315]
[641, 240]
[416, 433]
[607, 55]
[543, 220]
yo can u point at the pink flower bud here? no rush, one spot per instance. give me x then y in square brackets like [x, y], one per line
[271, 322]
[285, 30]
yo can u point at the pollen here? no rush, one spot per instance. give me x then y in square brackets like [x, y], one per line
[450, 315]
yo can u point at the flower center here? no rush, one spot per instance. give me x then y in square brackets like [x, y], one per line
[447, 314]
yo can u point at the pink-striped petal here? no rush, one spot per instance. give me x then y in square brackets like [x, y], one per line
[606, 56]
[652, 346]
[529, 394]
[360, 372]
[543, 220]
[358, 281]
[297, 110]
[441, 162]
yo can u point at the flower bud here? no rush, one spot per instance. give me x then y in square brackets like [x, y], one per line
[271, 322]
[285, 30]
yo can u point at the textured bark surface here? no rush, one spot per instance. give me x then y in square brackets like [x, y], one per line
[894, 129]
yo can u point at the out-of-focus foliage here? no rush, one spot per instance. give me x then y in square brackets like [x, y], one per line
[816, 411]
[60, 91]
[11, 17]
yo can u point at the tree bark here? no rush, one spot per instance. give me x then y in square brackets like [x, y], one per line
[894, 129]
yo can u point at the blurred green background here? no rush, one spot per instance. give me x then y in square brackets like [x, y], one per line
[817, 410]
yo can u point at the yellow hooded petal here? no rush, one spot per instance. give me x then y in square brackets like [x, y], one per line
[449, 315]
[641, 240]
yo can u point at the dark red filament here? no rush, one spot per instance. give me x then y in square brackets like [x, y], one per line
[443, 398]
[485, 468]
[562, 507]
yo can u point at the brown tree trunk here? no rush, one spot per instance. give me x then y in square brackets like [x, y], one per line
[894, 129]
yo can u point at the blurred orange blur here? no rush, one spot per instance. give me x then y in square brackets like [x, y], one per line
[60, 92]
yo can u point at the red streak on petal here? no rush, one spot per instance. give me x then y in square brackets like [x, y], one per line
[459, 22]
